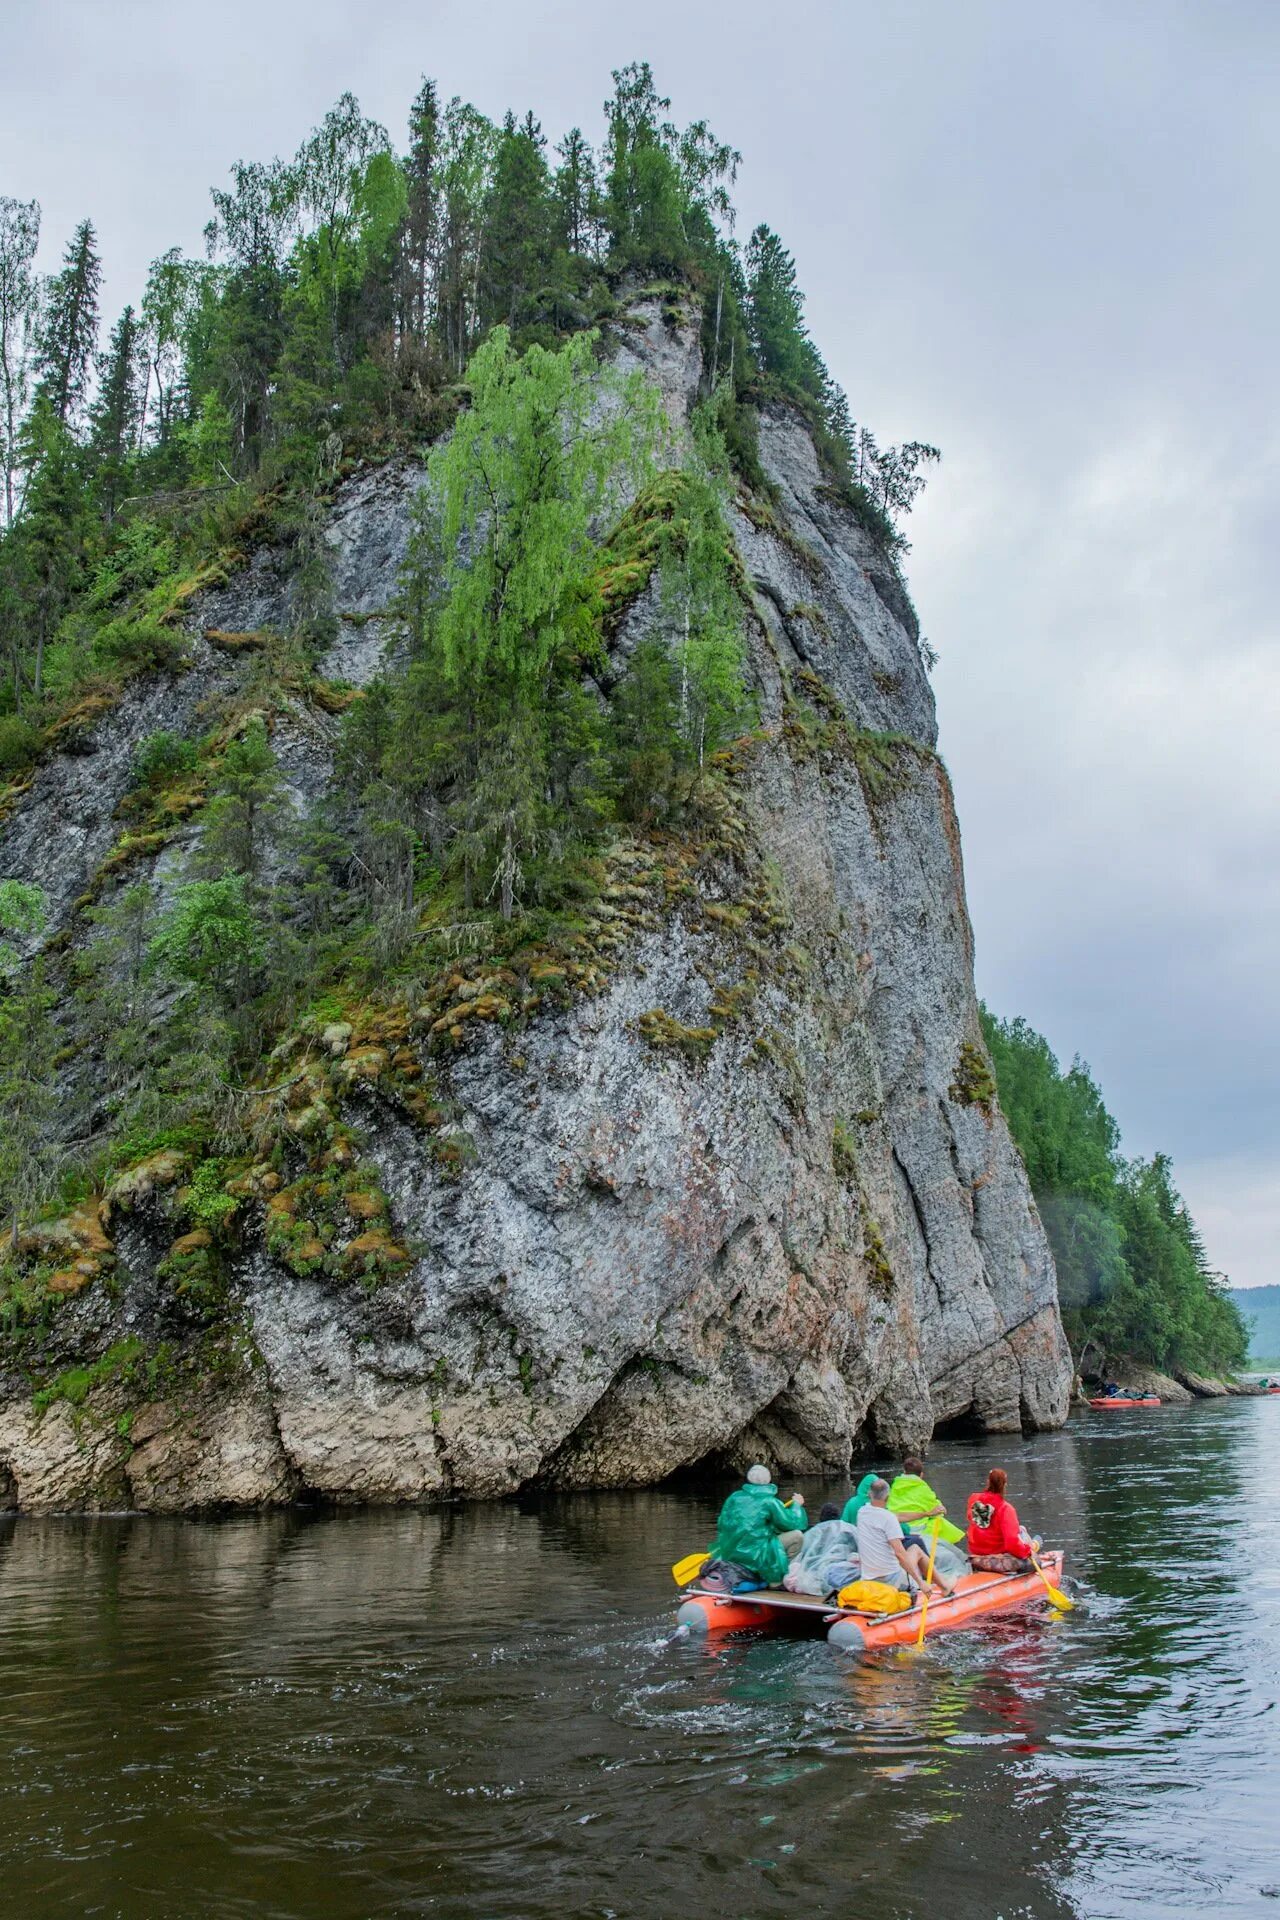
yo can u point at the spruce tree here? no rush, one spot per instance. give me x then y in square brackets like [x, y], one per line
[519, 237]
[69, 328]
[50, 536]
[117, 411]
[422, 211]
[779, 337]
[247, 805]
[245, 330]
[643, 200]
[576, 194]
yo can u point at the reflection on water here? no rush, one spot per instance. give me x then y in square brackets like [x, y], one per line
[477, 1712]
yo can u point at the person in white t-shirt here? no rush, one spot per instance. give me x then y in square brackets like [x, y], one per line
[881, 1552]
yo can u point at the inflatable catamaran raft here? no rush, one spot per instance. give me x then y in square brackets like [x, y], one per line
[773, 1608]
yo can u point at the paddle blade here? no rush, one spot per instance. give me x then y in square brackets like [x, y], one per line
[1057, 1597]
[689, 1568]
[924, 1615]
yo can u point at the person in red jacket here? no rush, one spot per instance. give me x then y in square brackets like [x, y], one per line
[997, 1544]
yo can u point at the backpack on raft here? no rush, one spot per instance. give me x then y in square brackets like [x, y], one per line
[873, 1596]
[722, 1576]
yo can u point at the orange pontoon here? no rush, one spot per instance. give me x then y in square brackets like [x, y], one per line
[976, 1595]
[1122, 1400]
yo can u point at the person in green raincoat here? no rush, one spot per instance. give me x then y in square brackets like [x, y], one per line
[858, 1499]
[917, 1505]
[758, 1531]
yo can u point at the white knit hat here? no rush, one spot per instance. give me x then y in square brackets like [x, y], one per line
[758, 1476]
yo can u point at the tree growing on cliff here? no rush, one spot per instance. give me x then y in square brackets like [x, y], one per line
[19, 238]
[701, 603]
[111, 994]
[775, 317]
[116, 417]
[516, 264]
[247, 803]
[422, 210]
[68, 341]
[44, 552]
[467, 154]
[577, 194]
[540, 455]
[29, 1150]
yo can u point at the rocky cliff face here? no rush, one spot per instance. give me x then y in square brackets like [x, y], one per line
[735, 1185]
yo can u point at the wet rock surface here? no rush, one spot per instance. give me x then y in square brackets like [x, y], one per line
[805, 1235]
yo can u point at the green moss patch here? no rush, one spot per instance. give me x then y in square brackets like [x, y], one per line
[880, 1275]
[974, 1084]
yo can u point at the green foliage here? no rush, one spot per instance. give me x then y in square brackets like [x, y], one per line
[663, 188]
[142, 553]
[974, 1084]
[161, 756]
[68, 334]
[1133, 1276]
[136, 644]
[879, 1267]
[779, 336]
[844, 1149]
[206, 1199]
[122, 1362]
[22, 910]
[207, 439]
[739, 426]
[211, 938]
[20, 743]
[684, 694]
[344, 293]
[247, 803]
[31, 1152]
[504, 745]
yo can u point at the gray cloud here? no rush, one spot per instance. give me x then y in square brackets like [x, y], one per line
[1041, 237]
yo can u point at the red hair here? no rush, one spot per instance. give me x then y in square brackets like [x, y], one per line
[997, 1480]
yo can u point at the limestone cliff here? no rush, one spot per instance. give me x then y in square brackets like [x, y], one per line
[730, 1181]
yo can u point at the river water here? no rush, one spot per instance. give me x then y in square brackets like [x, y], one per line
[478, 1713]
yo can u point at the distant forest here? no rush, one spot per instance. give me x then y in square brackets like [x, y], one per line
[1133, 1273]
[1260, 1308]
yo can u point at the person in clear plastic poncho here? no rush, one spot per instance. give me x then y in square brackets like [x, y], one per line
[828, 1557]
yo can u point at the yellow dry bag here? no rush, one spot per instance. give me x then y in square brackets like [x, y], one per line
[873, 1596]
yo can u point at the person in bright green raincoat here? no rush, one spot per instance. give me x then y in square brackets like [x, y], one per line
[857, 1500]
[758, 1531]
[917, 1505]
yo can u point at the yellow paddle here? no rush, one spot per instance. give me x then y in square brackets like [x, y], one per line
[1056, 1595]
[928, 1581]
[689, 1568]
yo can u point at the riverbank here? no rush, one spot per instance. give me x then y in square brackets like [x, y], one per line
[1179, 1388]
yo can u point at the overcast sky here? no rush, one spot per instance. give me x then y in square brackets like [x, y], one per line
[1043, 237]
